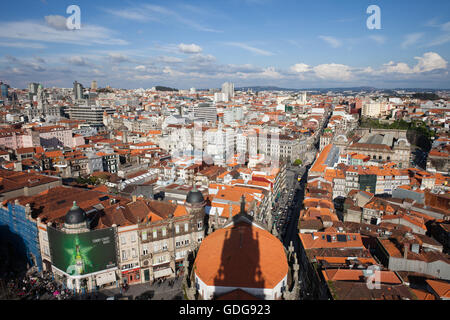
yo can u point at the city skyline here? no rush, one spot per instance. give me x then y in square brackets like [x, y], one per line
[202, 44]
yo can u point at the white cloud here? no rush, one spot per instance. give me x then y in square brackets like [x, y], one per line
[202, 59]
[270, 72]
[56, 22]
[136, 14]
[118, 57]
[77, 60]
[442, 39]
[335, 43]
[333, 71]
[446, 26]
[169, 59]
[392, 67]
[51, 31]
[250, 48]
[150, 12]
[140, 68]
[189, 48]
[22, 45]
[411, 39]
[378, 39]
[429, 62]
[300, 68]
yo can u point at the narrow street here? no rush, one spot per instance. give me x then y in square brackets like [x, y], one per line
[294, 205]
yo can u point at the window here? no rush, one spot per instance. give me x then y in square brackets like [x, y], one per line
[145, 249]
[133, 237]
[155, 234]
[155, 247]
[164, 246]
[144, 235]
[163, 232]
[123, 240]
[177, 228]
[161, 259]
[186, 227]
[133, 253]
[124, 255]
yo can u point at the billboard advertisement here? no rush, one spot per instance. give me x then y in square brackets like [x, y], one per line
[82, 253]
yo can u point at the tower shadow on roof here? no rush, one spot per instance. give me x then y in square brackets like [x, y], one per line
[239, 276]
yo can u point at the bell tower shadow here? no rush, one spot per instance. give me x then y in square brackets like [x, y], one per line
[239, 274]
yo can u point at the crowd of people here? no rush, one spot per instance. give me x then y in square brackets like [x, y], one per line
[34, 286]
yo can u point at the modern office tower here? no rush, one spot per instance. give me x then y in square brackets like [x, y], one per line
[228, 88]
[94, 85]
[40, 97]
[205, 111]
[4, 90]
[303, 97]
[77, 90]
[33, 87]
[32, 90]
[93, 115]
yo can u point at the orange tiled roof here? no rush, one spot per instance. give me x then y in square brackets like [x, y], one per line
[320, 240]
[441, 288]
[241, 256]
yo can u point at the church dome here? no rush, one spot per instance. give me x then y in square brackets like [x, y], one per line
[194, 196]
[75, 215]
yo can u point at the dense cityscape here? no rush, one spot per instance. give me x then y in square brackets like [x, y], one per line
[271, 190]
[170, 191]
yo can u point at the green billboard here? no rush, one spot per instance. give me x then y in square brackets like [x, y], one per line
[82, 253]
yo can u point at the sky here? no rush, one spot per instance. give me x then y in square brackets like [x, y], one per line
[201, 44]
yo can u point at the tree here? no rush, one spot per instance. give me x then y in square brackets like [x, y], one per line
[298, 162]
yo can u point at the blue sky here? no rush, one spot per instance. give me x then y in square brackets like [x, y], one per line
[295, 44]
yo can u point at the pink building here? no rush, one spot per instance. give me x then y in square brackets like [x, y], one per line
[52, 136]
[14, 139]
[77, 140]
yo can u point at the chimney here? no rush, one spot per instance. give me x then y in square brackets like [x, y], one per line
[27, 209]
[405, 250]
[134, 198]
[242, 205]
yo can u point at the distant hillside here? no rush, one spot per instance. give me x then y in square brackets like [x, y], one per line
[161, 88]
[426, 96]
[323, 90]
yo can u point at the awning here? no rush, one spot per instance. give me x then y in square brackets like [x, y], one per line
[163, 273]
[104, 278]
[131, 270]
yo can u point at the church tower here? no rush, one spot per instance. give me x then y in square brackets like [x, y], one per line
[195, 206]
